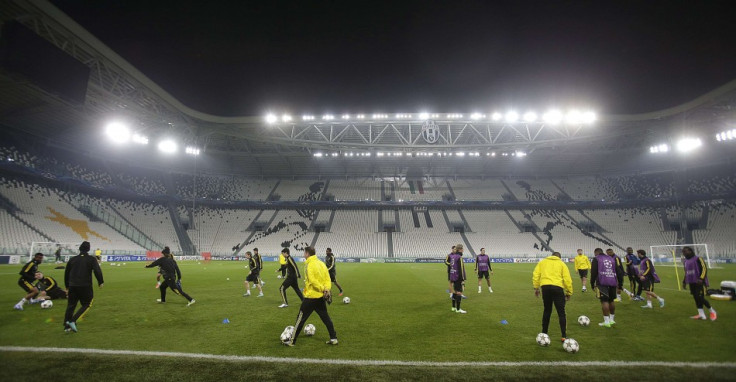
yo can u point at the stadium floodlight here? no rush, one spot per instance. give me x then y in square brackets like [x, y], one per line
[589, 117]
[271, 118]
[307, 117]
[167, 146]
[476, 116]
[117, 132]
[460, 154]
[367, 154]
[423, 115]
[530, 116]
[335, 154]
[520, 154]
[379, 154]
[379, 116]
[552, 117]
[346, 116]
[686, 145]
[511, 116]
[360, 116]
[191, 150]
[318, 155]
[659, 149]
[574, 117]
[727, 135]
[496, 116]
[140, 139]
[328, 117]
[286, 118]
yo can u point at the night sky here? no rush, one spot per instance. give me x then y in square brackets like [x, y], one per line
[248, 57]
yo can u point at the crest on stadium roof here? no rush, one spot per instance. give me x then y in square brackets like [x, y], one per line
[430, 132]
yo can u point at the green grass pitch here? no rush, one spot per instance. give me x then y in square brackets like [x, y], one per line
[398, 312]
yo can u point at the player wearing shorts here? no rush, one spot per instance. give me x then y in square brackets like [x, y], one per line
[98, 255]
[259, 261]
[648, 277]
[48, 288]
[26, 280]
[457, 277]
[484, 270]
[632, 261]
[606, 279]
[582, 265]
[330, 263]
[696, 277]
[253, 275]
[619, 267]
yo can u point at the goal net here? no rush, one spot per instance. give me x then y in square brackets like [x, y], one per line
[671, 256]
[49, 248]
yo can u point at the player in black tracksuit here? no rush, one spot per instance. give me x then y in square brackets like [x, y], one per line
[78, 281]
[170, 273]
[27, 278]
[291, 278]
[330, 263]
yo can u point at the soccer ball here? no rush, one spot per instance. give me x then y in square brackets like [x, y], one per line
[346, 300]
[584, 320]
[286, 334]
[46, 304]
[543, 339]
[309, 330]
[571, 346]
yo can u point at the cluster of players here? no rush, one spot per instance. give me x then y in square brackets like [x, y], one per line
[316, 295]
[550, 279]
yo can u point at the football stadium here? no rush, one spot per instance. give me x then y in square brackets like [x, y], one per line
[154, 235]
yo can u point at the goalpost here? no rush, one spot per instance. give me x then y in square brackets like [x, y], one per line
[48, 248]
[673, 253]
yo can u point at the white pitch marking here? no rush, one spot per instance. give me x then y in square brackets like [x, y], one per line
[239, 358]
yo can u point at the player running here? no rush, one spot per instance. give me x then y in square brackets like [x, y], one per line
[648, 277]
[291, 272]
[552, 276]
[582, 265]
[48, 288]
[457, 277]
[172, 276]
[317, 287]
[482, 268]
[330, 263]
[26, 280]
[696, 277]
[78, 282]
[606, 279]
[253, 275]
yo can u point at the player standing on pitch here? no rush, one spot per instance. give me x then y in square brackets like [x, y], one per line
[619, 267]
[78, 282]
[483, 267]
[606, 279]
[330, 263]
[253, 275]
[457, 277]
[696, 277]
[648, 277]
[259, 261]
[582, 265]
[171, 274]
[27, 278]
[552, 276]
[317, 287]
[290, 279]
[632, 261]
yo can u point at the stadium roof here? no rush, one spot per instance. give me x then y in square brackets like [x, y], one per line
[253, 146]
